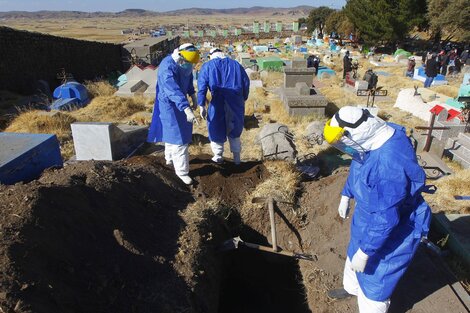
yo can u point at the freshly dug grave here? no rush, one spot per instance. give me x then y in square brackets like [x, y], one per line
[130, 237]
[115, 237]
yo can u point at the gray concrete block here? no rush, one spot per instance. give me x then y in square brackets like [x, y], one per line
[299, 63]
[106, 141]
[303, 90]
[276, 143]
[360, 85]
[23, 157]
[454, 130]
[298, 75]
[313, 101]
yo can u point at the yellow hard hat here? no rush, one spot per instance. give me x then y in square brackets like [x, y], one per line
[189, 53]
[332, 134]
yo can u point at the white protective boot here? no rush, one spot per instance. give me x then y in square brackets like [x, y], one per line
[180, 157]
[218, 151]
[168, 149]
[186, 179]
[236, 148]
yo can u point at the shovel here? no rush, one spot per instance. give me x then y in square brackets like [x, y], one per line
[236, 242]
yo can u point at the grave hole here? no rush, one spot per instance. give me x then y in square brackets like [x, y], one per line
[258, 282]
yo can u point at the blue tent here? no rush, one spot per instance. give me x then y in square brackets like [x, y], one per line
[70, 96]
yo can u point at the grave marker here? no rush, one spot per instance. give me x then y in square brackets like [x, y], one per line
[23, 157]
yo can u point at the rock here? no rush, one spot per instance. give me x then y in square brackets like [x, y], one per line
[276, 142]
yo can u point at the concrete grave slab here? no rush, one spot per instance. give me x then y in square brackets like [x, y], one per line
[140, 81]
[298, 75]
[299, 63]
[23, 157]
[459, 148]
[106, 141]
[420, 75]
[360, 85]
[409, 102]
[303, 100]
[276, 142]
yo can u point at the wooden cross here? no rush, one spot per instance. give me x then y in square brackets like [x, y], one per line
[431, 127]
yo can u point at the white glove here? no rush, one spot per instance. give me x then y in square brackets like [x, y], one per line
[189, 115]
[343, 208]
[202, 112]
[194, 98]
[359, 261]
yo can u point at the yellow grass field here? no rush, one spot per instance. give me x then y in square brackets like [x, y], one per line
[109, 29]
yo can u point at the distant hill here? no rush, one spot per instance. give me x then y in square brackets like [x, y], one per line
[299, 10]
[294, 11]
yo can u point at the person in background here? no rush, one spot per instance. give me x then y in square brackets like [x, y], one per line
[347, 65]
[173, 118]
[444, 62]
[229, 86]
[390, 216]
[465, 56]
[411, 67]
[432, 69]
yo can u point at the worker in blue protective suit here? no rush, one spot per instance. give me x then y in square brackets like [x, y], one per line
[173, 118]
[230, 86]
[390, 217]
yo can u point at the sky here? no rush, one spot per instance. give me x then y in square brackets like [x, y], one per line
[154, 5]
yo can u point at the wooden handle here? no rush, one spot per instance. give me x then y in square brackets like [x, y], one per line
[273, 224]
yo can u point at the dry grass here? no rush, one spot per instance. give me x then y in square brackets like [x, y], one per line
[112, 109]
[99, 89]
[39, 122]
[282, 184]
[273, 79]
[109, 29]
[447, 187]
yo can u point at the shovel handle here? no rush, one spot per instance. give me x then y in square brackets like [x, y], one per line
[255, 246]
[273, 223]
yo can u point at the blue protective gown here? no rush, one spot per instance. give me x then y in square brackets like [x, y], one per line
[169, 122]
[230, 86]
[390, 216]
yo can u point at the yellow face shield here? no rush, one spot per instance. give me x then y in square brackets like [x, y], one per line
[190, 56]
[332, 134]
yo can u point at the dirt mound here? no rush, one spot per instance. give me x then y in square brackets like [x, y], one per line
[116, 237]
[93, 237]
[227, 183]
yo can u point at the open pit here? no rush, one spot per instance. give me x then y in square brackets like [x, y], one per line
[128, 236]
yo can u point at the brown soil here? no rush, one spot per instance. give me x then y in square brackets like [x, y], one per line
[227, 183]
[113, 237]
[314, 227]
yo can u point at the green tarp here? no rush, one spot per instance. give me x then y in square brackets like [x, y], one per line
[270, 64]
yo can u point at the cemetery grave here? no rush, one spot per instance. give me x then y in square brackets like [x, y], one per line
[113, 205]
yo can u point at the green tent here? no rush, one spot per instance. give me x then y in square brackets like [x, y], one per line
[274, 64]
[401, 51]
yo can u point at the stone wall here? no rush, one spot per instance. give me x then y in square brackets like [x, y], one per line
[26, 57]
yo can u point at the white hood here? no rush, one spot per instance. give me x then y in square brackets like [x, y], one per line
[371, 134]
